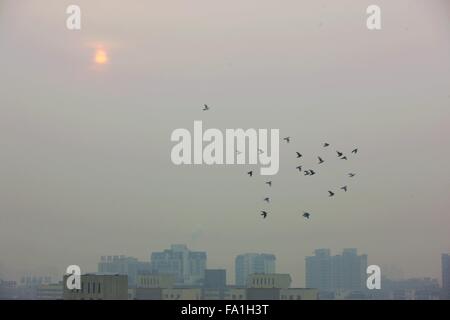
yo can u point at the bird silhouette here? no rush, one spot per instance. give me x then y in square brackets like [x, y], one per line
[344, 188]
[299, 155]
[264, 214]
[287, 139]
[238, 152]
[344, 158]
[320, 160]
[339, 153]
[306, 173]
[205, 107]
[260, 151]
[355, 150]
[250, 173]
[351, 175]
[267, 199]
[326, 144]
[331, 193]
[306, 215]
[299, 168]
[269, 183]
[312, 172]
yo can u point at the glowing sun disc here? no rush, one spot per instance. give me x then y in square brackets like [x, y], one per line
[100, 56]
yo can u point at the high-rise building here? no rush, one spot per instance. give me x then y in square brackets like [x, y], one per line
[446, 276]
[346, 271]
[319, 270]
[123, 265]
[188, 266]
[350, 270]
[251, 263]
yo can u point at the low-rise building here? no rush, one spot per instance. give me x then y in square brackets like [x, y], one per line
[181, 294]
[272, 280]
[50, 291]
[98, 287]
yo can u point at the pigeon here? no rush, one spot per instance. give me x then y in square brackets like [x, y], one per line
[344, 188]
[250, 173]
[260, 151]
[264, 214]
[320, 160]
[355, 150]
[312, 172]
[287, 139]
[306, 215]
[267, 199]
[299, 168]
[331, 193]
[339, 153]
[307, 173]
[351, 175]
[205, 107]
[299, 155]
[344, 158]
[269, 183]
[238, 152]
[326, 145]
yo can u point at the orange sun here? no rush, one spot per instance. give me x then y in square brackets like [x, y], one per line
[100, 56]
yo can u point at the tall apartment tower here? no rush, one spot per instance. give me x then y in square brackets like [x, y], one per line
[446, 276]
[346, 271]
[251, 263]
[187, 266]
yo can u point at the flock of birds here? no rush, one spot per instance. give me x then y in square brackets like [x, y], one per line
[309, 172]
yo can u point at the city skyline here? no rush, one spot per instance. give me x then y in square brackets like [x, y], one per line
[123, 261]
[179, 273]
[86, 118]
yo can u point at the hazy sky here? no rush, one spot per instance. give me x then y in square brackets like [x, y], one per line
[85, 165]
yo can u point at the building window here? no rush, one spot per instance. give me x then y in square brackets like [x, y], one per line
[89, 287]
[93, 287]
[99, 288]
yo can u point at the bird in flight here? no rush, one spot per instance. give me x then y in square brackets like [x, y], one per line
[331, 193]
[238, 152]
[306, 215]
[267, 199]
[264, 214]
[320, 160]
[299, 155]
[344, 158]
[260, 151]
[205, 107]
[312, 172]
[351, 175]
[344, 188]
[299, 168]
[355, 150]
[250, 173]
[326, 144]
[287, 139]
[339, 153]
[269, 183]
[306, 173]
